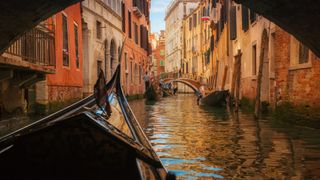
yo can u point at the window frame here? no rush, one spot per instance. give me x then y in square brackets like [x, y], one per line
[65, 52]
[98, 30]
[294, 55]
[76, 42]
[254, 59]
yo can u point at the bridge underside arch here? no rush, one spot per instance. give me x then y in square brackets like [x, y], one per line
[298, 17]
[17, 17]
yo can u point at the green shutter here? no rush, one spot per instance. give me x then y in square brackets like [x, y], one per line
[245, 18]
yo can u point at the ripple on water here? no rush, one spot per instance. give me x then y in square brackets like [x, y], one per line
[210, 143]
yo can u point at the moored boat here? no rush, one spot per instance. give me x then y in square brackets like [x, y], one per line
[151, 94]
[83, 141]
[216, 98]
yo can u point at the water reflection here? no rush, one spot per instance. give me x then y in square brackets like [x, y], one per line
[209, 143]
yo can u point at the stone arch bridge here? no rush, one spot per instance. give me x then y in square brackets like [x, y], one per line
[193, 84]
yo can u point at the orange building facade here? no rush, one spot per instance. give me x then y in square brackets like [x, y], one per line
[158, 56]
[135, 58]
[65, 85]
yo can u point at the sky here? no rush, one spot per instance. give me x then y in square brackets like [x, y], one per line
[158, 8]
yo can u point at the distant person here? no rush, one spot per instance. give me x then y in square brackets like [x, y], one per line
[175, 90]
[161, 83]
[201, 94]
[146, 79]
[202, 90]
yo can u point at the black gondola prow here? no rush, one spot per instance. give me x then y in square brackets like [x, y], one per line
[101, 94]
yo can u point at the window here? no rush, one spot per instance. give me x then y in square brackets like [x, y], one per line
[76, 41]
[135, 73]
[126, 61]
[136, 35]
[253, 16]
[162, 52]
[142, 36]
[131, 72]
[99, 67]
[194, 20]
[140, 74]
[162, 63]
[99, 28]
[190, 23]
[254, 60]
[123, 17]
[299, 53]
[65, 48]
[303, 53]
[130, 24]
[233, 23]
[245, 18]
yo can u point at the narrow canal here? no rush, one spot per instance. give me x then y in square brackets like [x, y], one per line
[209, 143]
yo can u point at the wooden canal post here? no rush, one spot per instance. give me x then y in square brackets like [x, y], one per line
[263, 49]
[225, 72]
[237, 75]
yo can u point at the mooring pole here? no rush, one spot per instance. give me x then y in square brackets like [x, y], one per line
[264, 46]
[238, 79]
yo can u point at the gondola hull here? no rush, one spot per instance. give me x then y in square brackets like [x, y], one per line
[79, 147]
[151, 94]
[216, 98]
[82, 142]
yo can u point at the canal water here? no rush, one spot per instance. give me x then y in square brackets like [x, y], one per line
[211, 143]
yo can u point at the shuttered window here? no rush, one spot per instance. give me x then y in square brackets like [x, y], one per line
[303, 53]
[99, 29]
[233, 23]
[253, 16]
[76, 41]
[141, 36]
[245, 18]
[65, 44]
[218, 31]
[136, 35]
[130, 24]
[254, 60]
[123, 17]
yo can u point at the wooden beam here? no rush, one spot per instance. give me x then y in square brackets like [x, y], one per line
[263, 49]
[238, 80]
[224, 77]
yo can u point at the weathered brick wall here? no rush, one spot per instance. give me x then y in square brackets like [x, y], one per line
[299, 86]
[303, 84]
[64, 93]
[282, 63]
[248, 88]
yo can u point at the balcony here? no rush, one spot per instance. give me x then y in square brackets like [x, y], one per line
[138, 7]
[34, 50]
[136, 11]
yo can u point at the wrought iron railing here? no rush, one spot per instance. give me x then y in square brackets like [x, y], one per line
[35, 46]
